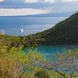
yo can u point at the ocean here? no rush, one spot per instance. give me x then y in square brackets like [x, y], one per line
[11, 25]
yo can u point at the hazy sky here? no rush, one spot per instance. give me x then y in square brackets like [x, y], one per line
[30, 7]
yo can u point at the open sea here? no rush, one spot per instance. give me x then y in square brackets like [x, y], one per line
[12, 25]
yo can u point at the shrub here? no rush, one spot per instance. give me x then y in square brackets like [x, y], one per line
[42, 74]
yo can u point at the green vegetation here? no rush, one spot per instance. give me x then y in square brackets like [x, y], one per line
[64, 32]
[16, 63]
[65, 64]
[42, 74]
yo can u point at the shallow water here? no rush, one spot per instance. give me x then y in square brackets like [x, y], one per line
[49, 50]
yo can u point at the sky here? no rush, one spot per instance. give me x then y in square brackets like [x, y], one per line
[34, 7]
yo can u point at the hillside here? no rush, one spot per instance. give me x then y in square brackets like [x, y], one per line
[64, 32]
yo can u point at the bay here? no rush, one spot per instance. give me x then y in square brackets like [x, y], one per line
[49, 50]
[12, 25]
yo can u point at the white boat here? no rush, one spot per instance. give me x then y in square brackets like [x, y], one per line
[21, 30]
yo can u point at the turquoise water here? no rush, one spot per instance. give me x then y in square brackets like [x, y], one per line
[12, 25]
[49, 50]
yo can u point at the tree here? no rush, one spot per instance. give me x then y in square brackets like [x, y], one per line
[64, 63]
[14, 61]
[42, 74]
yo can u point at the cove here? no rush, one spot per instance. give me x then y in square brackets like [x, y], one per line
[48, 50]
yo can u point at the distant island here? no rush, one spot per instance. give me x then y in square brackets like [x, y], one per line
[60, 14]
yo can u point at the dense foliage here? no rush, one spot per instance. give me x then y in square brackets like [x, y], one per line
[64, 32]
[16, 63]
[65, 64]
